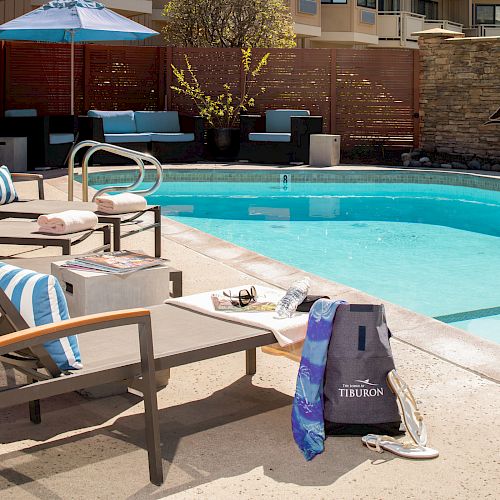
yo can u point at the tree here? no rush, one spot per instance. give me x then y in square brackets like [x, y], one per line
[228, 23]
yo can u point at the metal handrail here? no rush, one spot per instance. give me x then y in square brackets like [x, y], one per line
[95, 146]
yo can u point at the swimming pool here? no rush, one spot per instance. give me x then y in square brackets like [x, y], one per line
[433, 248]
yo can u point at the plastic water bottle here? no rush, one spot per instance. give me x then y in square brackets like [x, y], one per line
[294, 296]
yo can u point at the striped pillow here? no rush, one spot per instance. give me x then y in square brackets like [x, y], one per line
[40, 300]
[7, 190]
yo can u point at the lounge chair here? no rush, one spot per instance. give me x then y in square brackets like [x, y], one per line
[31, 209]
[110, 352]
[23, 232]
[281, 136]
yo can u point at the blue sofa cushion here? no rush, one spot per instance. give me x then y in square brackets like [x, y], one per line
[14, 113]
[180, 137]
[39, 299]
[157, 121]
[278, 120]
[8, 192]
[61, 138]
[275, 137]
[121, 138]
[115, 122]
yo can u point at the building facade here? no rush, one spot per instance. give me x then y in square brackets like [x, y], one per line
[335, 23]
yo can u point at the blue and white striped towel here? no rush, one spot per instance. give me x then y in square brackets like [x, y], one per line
[8, 192]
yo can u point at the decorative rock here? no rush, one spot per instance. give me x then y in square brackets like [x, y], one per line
[424, 159]
[486, 166]
[406, 163]
[496, 167]
[457, 164]
[415, 154]
[474, 164]
[415, 163]
[446, 165]
[405, 157]
[427, 164]
[436, 165]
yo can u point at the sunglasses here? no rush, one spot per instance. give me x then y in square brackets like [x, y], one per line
[244, 297]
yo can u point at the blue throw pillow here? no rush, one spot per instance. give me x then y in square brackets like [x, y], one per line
[7, 190]
[40, 300]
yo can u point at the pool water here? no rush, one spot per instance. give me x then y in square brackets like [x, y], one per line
[434, 249]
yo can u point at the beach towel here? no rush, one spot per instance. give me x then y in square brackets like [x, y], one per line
[308, 424]
[120, 203]
[70, 221]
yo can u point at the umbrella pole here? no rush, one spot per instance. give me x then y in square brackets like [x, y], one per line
[72, 72]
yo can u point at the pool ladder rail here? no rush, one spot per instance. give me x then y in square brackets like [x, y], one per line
[95, 146]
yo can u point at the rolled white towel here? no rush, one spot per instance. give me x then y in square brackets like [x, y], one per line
[70, 221]
[120, 203]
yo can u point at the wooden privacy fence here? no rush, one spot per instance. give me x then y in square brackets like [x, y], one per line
[370, 96]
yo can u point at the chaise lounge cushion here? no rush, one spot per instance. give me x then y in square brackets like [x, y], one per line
[170, 137]
[278, 120]
[123, 138]
[8, 192]
[61, 138]
[20, 113]
[40, 300]
[115, 122]
[271, 137]
[157, 121]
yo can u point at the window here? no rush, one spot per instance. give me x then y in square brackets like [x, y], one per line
[389, 5]
[371, 4]
[487, 14]
[334, 1]
[426, 8]
[308, 6]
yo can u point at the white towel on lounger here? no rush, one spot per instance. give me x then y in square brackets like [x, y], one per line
[120, 203]
[70, 221]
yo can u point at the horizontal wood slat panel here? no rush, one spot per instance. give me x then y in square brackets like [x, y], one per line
[366, 96]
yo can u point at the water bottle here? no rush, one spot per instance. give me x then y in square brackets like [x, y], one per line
[294, 296]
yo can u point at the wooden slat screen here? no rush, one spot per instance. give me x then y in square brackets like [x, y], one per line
[368, 96]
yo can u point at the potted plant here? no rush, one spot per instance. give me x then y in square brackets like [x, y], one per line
[222, 111]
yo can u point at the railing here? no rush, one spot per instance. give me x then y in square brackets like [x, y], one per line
[488, 29]
[94, 146]
[398, 26]
[443, 24]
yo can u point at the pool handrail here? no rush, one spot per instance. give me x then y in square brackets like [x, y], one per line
[95, 146]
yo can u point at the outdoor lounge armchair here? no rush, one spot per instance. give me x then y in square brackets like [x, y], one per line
[32, 209]
[49, 138]
[168, 136]
[169, 336]
[280, 136]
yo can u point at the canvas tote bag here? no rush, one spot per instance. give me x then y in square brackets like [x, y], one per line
[357, 399]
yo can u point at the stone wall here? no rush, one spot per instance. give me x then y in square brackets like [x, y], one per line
[459, 91]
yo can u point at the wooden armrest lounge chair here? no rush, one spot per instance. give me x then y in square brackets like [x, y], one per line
[112, 351]
[32, 209]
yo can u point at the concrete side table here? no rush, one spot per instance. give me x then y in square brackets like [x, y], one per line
[14, 153]
[89, 292]
[324, 150]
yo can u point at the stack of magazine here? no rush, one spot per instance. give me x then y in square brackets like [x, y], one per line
[119, 262]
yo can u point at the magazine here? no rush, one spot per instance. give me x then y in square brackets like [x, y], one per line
[123, 261]
[224, 303]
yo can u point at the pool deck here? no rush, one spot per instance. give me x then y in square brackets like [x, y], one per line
[227, 436]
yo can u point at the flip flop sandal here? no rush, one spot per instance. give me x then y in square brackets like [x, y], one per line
[405, 450]
[412, 418]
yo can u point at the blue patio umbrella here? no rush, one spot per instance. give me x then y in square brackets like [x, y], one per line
[73, 21]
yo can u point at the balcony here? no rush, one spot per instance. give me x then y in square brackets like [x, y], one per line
[395, 28]
[483, 30]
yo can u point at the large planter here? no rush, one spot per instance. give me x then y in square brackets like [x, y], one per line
[223, 143]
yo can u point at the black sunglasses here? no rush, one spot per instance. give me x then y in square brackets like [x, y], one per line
[244, 298]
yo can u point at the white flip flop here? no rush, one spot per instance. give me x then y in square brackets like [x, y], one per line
[413, 419]
[406, 450]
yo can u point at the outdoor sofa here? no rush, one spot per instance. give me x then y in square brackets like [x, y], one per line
[119, 346]
[279, 136]
[167, 135]
[49, 138]
[32, 209]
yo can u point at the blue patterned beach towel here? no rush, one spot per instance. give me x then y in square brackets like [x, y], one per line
[307, 410]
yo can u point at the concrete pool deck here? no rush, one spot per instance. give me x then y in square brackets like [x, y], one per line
[225, 435]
